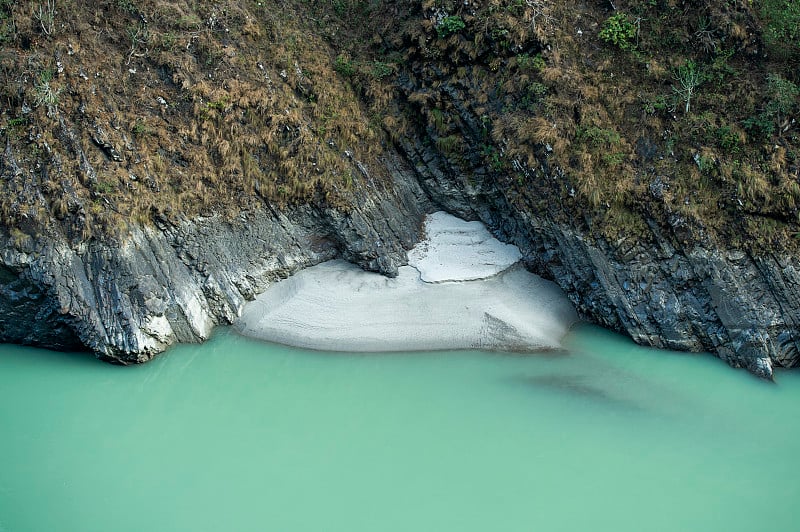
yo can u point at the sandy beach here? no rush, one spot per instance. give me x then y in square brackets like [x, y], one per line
[463, 289]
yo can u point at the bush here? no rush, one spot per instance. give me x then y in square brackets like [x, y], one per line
[620, 31]
[381, 70]
[597, 136]
[782, 32]
[782, 102]
[450, 25]
[344, 66]
[688, 77]
[526, 62]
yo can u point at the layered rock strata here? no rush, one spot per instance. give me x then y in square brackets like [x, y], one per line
[130, 300]
[741, 307]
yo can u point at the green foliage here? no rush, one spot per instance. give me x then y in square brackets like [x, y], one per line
[533, 96]
[218, 105]
[781, 103]
[437, 120]
[348, 7]
[8, 31]
[344, 66]
[8, 28]
[783, 96]
[45, 14]
[704, 163]
[727, 139]
[381, 70]
[450, 25]
[167, 41]
[620, 31]
[450, 145]
[613, 159]
[103, 187]
[526, 62]
[493, 157]
[720, 68]
[210, 111]
[189, 22]
[138, 34]
[657, 104]
[597, 136]
[340, 7]
[782, 32]
[688, 77]
[140, 129]
[126, 5]
[44, 93]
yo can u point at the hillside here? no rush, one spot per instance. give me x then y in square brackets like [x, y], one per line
[602, 138]
[180, 108]
[668, 110]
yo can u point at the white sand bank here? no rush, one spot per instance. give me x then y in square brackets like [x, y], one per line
[336, 306]
[456, 250]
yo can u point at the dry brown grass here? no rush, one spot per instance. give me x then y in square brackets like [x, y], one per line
[254, 109]
[220, 104]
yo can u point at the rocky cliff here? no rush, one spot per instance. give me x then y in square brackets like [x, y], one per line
[130, 298]
[167, 283]
[164, 162]
[741, 306]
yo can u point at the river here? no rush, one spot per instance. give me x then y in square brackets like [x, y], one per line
[242, 435]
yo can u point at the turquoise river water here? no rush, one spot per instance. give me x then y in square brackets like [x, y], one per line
[237, 435]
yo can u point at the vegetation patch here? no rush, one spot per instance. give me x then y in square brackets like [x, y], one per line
[607, 116]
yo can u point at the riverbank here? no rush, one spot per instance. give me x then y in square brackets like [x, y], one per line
[463, 289]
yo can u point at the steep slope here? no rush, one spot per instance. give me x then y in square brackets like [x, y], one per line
[569, 129]
[164, 161]
[644, 155]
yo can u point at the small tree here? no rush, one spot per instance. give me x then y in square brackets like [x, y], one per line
[689, 78]
[46, 15]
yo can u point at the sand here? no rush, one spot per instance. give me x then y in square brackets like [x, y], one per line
[463, 289]
[456, 250]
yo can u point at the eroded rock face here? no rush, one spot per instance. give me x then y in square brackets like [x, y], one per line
[174, 283]
[741, 307]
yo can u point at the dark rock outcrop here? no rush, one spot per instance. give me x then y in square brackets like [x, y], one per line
[173, 283]
[743, 308]
[508, 119]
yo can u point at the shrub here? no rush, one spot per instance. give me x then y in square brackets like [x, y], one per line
[597, 136]
[782, 101]
[450, 25]
[689, 77]
[782, 32]
[8, 29]
[526, 62]
[44, 93]
[344, 66]
[381, 70]
[45, 15]
[728, 139]
[619, 30]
